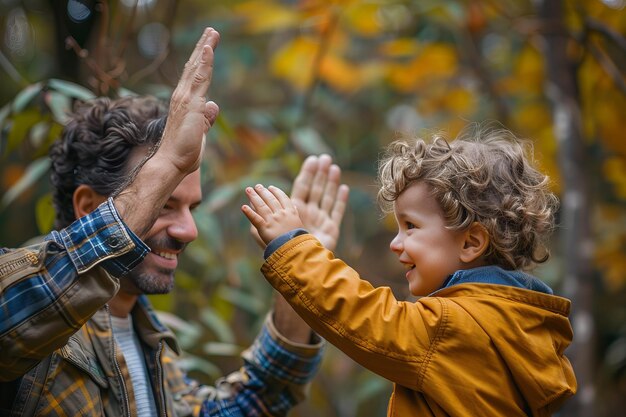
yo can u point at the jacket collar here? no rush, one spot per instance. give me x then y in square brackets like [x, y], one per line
[496, 275]
[149, 328]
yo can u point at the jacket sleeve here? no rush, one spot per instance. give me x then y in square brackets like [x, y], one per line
[274, 378]
[391, 338]
[50, 289]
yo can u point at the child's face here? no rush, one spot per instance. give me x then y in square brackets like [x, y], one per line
[429, 251]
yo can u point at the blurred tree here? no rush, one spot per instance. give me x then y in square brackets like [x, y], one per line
[295, 77]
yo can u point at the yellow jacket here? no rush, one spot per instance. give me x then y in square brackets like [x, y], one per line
[471, 349]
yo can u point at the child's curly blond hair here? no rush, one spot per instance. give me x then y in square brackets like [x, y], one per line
[485, 175]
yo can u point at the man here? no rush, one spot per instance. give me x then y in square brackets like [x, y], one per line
[77, 334]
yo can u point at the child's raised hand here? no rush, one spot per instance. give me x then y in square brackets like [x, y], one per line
[271, 211]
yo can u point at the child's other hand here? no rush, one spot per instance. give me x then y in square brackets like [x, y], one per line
[271, 211]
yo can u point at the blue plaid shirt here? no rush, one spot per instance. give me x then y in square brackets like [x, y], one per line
[42, 295]
[46, 296]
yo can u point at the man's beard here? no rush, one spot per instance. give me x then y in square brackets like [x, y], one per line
[160, 281]
[150, 279]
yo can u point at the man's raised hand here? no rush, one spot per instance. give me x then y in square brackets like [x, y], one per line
[190, 114]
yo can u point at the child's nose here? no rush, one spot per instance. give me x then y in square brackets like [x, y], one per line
[396, 244]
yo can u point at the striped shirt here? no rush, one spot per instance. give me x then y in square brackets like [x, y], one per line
[130, 346]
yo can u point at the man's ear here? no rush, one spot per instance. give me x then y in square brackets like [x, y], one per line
[86, 200]
[475, 243]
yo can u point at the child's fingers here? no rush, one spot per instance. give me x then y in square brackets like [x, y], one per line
[257, 201]
[268, 198]
[252, 216]
[281, 197]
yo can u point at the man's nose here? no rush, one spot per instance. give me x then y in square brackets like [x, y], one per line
[183, 228]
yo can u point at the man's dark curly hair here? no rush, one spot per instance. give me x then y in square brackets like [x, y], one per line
[96, 144]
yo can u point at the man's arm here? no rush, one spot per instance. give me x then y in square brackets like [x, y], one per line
[45, 293]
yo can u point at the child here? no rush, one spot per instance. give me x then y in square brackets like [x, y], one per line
[487, 339]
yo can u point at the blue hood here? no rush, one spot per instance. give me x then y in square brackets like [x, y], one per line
[496, 275]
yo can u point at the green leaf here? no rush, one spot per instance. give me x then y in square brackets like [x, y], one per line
[221, 349]
[20, 125]
[125, 92]
[225, 140]
[187, 333]
[60, 105]
[44, 213]
[34, 171]
[39, 133]
[70, 89]
[221, 196]
[309, 141]
[245, 301]
[24, 97]
[220, 328]
[210, 229]
[194, 363]
[4, 112]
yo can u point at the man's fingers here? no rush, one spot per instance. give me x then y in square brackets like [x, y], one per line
[319, 182]
[341, 202]
[198, 70]
[330, 191]
[201, 77]
[197, 50]
[302, 183]
[211, 110]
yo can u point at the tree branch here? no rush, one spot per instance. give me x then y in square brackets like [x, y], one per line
[597, 26]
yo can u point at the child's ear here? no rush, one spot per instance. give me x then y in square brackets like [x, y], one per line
[476, 241]
[85, 200]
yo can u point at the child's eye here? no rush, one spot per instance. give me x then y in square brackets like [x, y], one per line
[410, 225]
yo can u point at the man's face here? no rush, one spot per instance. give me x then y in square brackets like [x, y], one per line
[168, 237]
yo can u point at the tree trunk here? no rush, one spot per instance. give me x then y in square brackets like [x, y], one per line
[562, 91]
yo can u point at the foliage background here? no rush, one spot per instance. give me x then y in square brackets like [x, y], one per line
[299, 77]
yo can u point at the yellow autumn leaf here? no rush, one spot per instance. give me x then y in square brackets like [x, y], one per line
[532, 116]
[267, 16]
[435, 62]
[400, 47]
[363, 18]
[294, 62]
[529, 71]
[458, 100]
[614, 170]
[609, 115]
[340, 74]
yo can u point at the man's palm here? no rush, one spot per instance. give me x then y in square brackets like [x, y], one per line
[320, 199]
